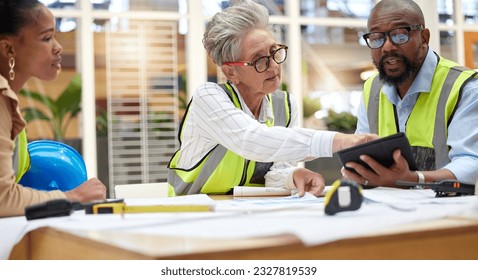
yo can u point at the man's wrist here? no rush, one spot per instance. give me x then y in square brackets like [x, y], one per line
[421, 180]
[421, 177]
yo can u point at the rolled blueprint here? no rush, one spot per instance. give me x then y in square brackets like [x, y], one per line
[260, 191]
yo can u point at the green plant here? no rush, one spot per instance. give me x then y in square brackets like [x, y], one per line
[344, 121]
[101, 122]
[310, 105]
[60, 112]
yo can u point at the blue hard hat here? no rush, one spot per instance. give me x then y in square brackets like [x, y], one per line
[54, 166]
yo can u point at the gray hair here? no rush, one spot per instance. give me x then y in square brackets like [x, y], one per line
[224, 33]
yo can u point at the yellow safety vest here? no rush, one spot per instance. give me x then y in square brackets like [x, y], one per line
[427, 125]
[220, 169]
[21, 158]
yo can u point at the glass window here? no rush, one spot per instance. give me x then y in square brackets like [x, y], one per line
[210, 7]
[445, 11]
[448, 47]
[118, 5]
[469, 10]
[335, 63]
[62, 4]
[63, 24]
[105, 4]
[136, 5]
[336, 8]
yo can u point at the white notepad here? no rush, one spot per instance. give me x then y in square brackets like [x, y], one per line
[149, 190]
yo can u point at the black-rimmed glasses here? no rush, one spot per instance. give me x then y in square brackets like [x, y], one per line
[398, 36]
[261, 64]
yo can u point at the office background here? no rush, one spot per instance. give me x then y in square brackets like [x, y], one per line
[140, 60]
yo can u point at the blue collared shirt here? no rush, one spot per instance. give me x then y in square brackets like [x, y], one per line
[462, 131]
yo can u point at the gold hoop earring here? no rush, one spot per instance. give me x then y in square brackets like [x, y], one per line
[11, 63]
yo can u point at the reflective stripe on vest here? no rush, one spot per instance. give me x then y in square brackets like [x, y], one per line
[220, 169]
[427, 125]
[21, 158]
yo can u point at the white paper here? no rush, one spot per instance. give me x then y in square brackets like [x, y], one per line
[257, 217]
[196, 199]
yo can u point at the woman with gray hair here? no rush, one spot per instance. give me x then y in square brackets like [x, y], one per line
[244, 132]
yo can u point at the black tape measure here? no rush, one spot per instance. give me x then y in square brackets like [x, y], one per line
[343, 196]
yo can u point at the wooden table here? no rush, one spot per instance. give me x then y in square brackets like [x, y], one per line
[451, 238]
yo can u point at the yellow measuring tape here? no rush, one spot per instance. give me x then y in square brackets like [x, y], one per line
[343, 196]
[122, 208]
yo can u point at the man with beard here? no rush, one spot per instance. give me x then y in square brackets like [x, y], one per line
[432, 99]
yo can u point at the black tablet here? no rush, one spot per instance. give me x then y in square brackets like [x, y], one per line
[381, 150]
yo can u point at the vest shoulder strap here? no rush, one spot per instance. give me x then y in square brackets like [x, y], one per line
[280, 104]
[373, 103]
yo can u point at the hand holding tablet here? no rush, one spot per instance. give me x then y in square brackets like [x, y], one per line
[380, 150]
